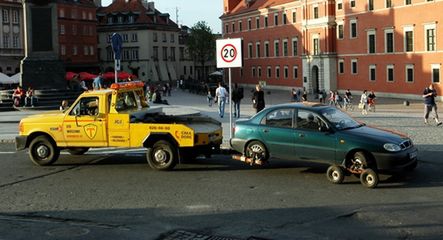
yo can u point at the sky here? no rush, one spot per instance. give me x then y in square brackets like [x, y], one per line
[190, 11]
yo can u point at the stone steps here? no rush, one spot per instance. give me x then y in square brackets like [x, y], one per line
[44, 99]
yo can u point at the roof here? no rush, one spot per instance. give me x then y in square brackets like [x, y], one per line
[242, 6]
[136, 7]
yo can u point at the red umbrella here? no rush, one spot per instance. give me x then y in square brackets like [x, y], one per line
[87, 76]
[108, 75]
[120, 75]
[70, 75]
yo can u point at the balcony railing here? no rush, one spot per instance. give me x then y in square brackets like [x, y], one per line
[11, 52]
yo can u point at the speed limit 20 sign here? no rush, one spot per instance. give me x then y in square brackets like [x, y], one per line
[229, 53]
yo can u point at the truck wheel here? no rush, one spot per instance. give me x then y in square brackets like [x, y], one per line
[43, 152]
[78, 150]
[162, 156]
[369, 178]
[335, 174]
[256, 150]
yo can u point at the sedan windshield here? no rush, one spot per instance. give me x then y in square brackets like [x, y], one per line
[339, 119]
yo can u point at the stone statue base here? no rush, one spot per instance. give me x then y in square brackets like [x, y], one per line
[42, 74]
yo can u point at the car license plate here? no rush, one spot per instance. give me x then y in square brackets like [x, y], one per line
[413, 155]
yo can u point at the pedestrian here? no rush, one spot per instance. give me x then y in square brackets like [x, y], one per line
[258, 99]
[98, 82]
[331, 98]
[298, 95]
[220, 97]
[17, 96]
[83, 86]
[320, 96]
[169, 86]
[237, 96]
[304, 97]
[429, 95]
[64, 105]
[29, 97]
[210, 98]
[363, 103]
[293, 95]
[338, 99]
[371, 101]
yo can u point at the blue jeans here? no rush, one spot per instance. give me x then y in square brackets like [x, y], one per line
[237, 109]
[221, 106]
[29, 99]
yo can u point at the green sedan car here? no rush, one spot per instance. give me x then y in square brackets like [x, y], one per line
[320, 133]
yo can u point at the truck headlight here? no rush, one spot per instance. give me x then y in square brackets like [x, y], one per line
[391, 147]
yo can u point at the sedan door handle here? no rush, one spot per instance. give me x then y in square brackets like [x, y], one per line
[265, 130]
[301, 135]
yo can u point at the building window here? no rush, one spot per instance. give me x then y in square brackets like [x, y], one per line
[172, 38]
[181, 53]
[268, 72]
[266, 49]
[74, 50]
[120, 19]
[276, 19]
[430, 38]
[257, 22]
[266, 21]
[388, 3]
[6, 40]
[240, 27]
[295, 72]
[352, 3]
[435, 73]
[294, 47]
[125, 37]
[354, 66]
[277, 72]
[316, 44]
[340, 32]
[389, 41]
[253, 72]
[62, 29]
[172, 54]
[408, 2]
[285, 47]
[184, 70]
[61, 13]
[165, 53]
[249, 50]
[155, 53]
[249, 24]
[16, 41]
[294, 16]
[91, 50]
[74, 14]
[341, 66]
[315, 12]
[155, 37]
[409, 73]
[257, 49]
[91, 18]
[134, 37]
[233, 27]
[164, 39]
[372, 72]
[74, 29]
[110, 20]
[409, 39]
[5, 16]
[226, 28]
[63, 50]
[371, 41]
[370, 5]
[276, 48]
[340, 5]
[353, 28]
[85, 50]
[390, 73]
[15, 16]
[286, 72]
[284, 19]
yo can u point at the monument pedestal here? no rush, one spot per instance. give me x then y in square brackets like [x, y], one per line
[43, 74]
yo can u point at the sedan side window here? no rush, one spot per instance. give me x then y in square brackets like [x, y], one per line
[279, 118]
[308, 121]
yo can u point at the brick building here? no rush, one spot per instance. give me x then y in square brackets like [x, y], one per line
[380, 45]
[77, 29]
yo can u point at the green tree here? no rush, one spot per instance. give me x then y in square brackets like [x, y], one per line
[201, 44]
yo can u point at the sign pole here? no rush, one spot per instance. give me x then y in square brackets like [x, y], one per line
[115, 70]
[230, 105]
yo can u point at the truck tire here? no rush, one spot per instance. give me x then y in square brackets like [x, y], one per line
[78, 150]
[162, 156]
[42, 151]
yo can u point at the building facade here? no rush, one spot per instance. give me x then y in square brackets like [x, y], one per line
[11, 36]
[152, 49]
[77, 34]
[382, 46]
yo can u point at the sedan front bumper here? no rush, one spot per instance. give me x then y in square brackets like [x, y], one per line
[396, 161]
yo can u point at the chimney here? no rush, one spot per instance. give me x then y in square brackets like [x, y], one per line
[151, 6]
[98, 3]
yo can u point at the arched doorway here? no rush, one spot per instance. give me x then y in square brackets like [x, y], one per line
[315, 80]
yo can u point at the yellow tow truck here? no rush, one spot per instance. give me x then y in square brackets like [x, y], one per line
[119, 117]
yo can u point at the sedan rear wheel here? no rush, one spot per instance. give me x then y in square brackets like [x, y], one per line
[257, 151]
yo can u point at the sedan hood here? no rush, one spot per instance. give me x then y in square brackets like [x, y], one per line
[377, 134]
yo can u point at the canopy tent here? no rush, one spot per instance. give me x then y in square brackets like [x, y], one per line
[120, 75]
[216, 73]
[5, 79]
[85, 76]
[70, 75]
[15, 78]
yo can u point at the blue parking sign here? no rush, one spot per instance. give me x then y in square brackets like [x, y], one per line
[116, 43]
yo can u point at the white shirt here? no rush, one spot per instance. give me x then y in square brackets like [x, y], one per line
[221, 92]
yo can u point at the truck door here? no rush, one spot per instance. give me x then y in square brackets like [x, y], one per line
[85, 124]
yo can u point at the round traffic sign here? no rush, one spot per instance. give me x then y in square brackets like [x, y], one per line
[228, 53]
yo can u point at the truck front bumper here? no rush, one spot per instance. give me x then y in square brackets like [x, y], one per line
[20, 142]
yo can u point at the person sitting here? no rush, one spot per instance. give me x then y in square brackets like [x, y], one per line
[158, 98]
[92, 109]
[311, 123]
[29, 97]
[64, 106]
[18, 96]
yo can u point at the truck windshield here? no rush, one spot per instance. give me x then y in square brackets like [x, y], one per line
[126, 101]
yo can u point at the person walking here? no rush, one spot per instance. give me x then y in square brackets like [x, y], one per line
[98, 82]
[364, 103]
[371, 101]
[220, 97]
[210, 98]
[237, 96]
[304, 97]
[258, 99]
[429, 95]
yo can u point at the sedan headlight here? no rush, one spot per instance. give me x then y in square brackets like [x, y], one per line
[391, 147]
